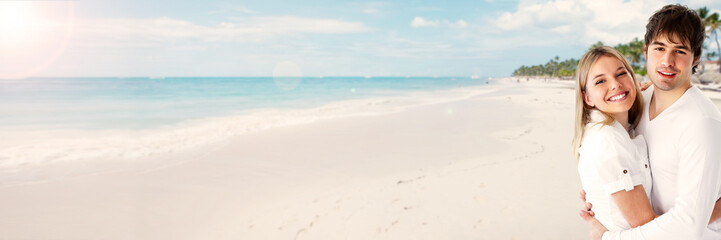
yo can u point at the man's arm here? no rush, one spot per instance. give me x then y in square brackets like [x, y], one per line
[698, 187]
[597, 229]
[716, 214]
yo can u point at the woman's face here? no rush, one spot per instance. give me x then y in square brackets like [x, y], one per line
[609, 86]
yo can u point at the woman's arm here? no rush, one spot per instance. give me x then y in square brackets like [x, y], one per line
[636, 207]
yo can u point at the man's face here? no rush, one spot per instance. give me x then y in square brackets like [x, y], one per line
[669, 63]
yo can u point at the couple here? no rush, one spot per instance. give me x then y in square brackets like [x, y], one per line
[621, 140]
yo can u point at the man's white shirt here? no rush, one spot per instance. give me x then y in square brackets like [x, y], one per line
[684, 144]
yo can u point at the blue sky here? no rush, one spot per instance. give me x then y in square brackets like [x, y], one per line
[318, 37]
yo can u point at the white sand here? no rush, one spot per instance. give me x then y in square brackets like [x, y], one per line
[494, 166]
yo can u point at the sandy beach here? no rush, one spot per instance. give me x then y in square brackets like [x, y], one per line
[495, 165]
[297, 120]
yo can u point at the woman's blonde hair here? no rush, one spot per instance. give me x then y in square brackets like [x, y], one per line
[583, 110]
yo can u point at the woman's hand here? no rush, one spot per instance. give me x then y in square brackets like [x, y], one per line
[597, 229]
[587, 205]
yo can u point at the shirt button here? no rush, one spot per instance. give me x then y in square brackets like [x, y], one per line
[625, 171]
[646, 165]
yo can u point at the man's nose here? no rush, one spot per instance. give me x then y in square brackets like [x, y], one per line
[668, 59]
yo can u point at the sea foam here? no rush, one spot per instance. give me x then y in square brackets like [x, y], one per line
[28, 148]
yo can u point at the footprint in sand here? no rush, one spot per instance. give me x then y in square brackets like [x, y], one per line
[388, 228]
[519, 135]
[395, 202]
[315, 220]
[302, 230]
[509, 210]
[410, 180]
[478, 224]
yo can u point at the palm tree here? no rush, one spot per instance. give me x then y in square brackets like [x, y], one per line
[713, 23]
[595, 45]
[633, 51]
[636, 50]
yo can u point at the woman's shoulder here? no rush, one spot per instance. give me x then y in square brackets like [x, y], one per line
[602, 138]
[600, 131]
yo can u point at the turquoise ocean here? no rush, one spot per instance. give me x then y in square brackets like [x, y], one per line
[141, 103]
[48, 120]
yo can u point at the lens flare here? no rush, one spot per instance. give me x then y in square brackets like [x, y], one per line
[287, 75]
[33, 35]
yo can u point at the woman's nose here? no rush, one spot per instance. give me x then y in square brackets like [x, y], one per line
[615, 83]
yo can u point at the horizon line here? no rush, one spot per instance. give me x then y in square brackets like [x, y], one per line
[258, 76]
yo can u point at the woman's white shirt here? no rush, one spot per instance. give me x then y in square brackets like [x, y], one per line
[611, 161]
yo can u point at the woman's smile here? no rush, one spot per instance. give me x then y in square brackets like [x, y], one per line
[618, 97]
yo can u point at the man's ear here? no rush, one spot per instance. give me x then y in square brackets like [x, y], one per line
[696, 60]
[645, 52]
[587, 99]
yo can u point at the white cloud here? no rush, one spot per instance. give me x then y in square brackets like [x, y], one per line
[370, 7]
[584, 21]
[711, 4]
[293, 24]
[422, 22]
[458, 24]
[370, 11]
[410, 48]
[233, 9]
[250, 29]
[429, 9]
[244, 9]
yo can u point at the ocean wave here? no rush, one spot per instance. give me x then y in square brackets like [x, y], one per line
[27, 148]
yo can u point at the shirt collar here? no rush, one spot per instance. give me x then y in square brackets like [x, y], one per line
[595, 116]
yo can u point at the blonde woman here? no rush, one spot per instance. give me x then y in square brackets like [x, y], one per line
[612, 162]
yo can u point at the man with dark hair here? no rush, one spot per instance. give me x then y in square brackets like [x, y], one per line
[682, 128]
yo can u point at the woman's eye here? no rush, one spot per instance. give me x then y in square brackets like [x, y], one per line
[600, 81]
[621, 74]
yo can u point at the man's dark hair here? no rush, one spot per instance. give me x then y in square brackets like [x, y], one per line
[680, 21]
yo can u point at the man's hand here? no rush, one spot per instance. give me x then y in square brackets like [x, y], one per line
[597, 229]
[645, 85]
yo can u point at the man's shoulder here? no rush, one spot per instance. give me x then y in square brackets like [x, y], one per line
[699, 108]
[647, 94]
